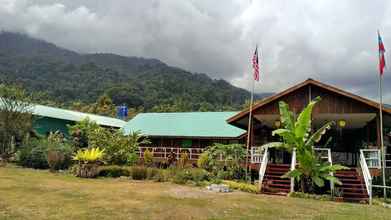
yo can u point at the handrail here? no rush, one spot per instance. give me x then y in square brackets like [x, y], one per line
[367, 175]
[293, 167]
[256, 155]
[329, 159]
[262, 168]
[374, 161]
[163, 152]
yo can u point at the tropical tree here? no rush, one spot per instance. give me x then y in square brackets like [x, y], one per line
[296, 135]
[120, 148]
[15, 117]
[81, 130]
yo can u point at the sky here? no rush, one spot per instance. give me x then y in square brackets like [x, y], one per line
[332, 41]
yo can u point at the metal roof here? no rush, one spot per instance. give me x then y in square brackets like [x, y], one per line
[64, 114]
[184, 124]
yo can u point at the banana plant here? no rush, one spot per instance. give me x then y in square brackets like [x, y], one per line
[296, 133]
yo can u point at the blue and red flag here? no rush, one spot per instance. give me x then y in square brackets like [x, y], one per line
[382, 60]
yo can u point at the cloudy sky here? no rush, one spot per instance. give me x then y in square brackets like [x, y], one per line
[331, 41]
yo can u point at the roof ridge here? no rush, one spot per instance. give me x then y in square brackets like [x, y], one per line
[85, 113]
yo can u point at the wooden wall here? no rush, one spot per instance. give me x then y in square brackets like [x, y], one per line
[331, 102]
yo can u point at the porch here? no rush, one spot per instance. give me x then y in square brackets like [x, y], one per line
[356, 182]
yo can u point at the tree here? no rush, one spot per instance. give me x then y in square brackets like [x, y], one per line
[80, 132]
[296, 134]
[119, 148]
[15, 117]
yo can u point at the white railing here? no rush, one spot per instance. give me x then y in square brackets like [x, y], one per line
[256, 155]
[293, 166]
[164, 152]
[327, 158]
[366, 174]
[372, 158]
[263, 166]
[388, 160]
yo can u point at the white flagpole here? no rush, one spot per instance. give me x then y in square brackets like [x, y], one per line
[381, 135]
[249, 128]
[381, 127]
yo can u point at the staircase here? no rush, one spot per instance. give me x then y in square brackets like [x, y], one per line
[273, 183]
[353, 186]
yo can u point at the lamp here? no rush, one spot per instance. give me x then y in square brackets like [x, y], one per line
[277, 123]
[342, 123]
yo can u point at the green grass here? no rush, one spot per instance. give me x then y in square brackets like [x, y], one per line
[33, 194]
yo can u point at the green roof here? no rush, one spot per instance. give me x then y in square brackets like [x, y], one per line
[184, 124]
[64, 114]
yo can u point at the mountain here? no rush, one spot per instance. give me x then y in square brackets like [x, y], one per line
[66, 76]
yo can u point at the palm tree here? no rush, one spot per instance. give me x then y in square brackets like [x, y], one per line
[296, 135]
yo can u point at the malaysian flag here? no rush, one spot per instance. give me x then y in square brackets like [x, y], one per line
[382, 60]
[256, 64]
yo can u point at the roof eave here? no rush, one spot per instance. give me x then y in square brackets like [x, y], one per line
[243, 113]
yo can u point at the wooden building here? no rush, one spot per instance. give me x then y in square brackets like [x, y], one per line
[186, 131]
[50, 119]
[357, 128]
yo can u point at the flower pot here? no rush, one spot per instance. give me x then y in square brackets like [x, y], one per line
[338, 199]
[87, 170]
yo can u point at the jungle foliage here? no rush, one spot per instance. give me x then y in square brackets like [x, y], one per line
[70, 79]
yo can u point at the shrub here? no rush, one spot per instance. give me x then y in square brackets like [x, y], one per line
[152, 173]
[91, 155]
[59, 155]
[138, 173]
[224, 175]
[184, 158]
[39, 157]
[113, 171]
[196, 175]
[148, 158]
[33, 154]
[132, 159]
[203, 161]
[182, 177]
[245, 187]
[163, 176]
[199, 175]
[227, 157]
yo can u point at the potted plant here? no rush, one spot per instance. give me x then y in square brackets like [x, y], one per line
[338, 194]
[88, 162]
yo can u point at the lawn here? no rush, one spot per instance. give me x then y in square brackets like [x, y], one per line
[33, 194]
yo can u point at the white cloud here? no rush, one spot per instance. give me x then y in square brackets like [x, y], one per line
[330, 40]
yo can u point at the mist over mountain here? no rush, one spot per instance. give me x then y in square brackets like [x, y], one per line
[66, 76]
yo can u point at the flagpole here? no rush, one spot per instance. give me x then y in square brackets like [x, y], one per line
[249, 128]
[381, 135]
[381, 126]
